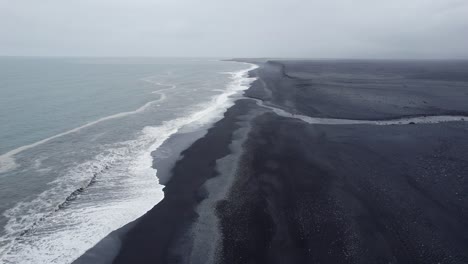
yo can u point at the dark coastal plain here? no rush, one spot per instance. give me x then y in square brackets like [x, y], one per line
[262, 188]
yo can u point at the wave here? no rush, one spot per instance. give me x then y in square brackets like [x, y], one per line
[7, 160]
[101, 195]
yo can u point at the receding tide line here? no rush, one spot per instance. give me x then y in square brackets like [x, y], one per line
[7, 160]
[335, 121]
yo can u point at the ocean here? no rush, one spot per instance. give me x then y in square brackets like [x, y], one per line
[76, 143]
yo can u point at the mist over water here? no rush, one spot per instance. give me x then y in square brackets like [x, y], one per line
[77, 135]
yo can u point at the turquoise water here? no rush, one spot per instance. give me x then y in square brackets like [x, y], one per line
[76, 138]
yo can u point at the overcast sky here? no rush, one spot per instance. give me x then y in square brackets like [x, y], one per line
[236, 28]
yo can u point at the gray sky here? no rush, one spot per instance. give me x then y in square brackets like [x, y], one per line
[236, 28]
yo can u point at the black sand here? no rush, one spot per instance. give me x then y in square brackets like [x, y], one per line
[155, 237]
[365, 89]
[355, 194]
[329, 194]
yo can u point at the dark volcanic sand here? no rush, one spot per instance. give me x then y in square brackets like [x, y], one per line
[322, 193]
[154, 238]
[354, 194]
[365, 89]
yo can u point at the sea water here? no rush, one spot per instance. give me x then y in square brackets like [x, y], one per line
[76, 136]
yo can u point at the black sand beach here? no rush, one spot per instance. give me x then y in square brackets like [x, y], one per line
[306, 193]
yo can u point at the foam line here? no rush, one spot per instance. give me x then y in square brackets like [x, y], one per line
[73, 215]
[7, 160]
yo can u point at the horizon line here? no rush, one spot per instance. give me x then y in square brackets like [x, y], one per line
[233, 57]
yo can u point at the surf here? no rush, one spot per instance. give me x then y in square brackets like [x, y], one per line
[83, 208]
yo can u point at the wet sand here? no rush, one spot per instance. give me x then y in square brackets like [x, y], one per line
[156, 237]
[320, 193]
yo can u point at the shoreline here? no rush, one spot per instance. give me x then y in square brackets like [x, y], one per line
[169, 153]
[93, 182]
[301, 192]
[164, 224]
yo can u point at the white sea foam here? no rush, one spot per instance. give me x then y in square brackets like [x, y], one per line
[7, 160]
[125, 187]
[158, 83]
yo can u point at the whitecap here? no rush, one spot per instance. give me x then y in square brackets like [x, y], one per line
[114, 188]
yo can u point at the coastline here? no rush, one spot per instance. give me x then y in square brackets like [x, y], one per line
[301, 192]
[169, 152]
[91, 194]
[167, 221]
